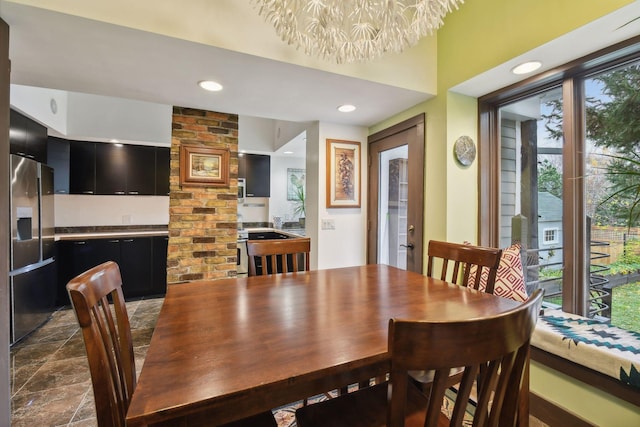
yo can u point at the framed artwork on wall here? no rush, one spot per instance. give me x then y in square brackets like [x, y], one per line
[204, 166]
[343, 174]
[295, 181]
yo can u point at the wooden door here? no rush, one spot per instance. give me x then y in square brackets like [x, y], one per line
[396, 195]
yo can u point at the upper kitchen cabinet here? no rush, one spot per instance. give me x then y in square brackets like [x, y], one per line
[82, 167]
[256, 170]
[163, 167]
[27, 138]
[125, 169]
[58, 159]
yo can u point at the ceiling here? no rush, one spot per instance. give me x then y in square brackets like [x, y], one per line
[58, 51]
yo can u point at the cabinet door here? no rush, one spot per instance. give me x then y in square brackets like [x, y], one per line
[135, 266]
[17, 133]
[36, 141]
[258, 175]
[159, 257]
[58, 159]
[163, 168]
[111, 169]
[82, 167]
[140, 169]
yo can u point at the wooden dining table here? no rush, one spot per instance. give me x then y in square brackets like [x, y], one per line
[226, 349]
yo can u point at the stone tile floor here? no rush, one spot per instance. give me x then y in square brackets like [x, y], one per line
[50, 379]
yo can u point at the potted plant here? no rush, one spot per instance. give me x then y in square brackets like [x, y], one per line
[298, 204]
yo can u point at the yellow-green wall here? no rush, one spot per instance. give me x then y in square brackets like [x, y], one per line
[479, 36]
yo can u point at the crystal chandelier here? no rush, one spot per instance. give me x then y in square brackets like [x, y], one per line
[354, 30]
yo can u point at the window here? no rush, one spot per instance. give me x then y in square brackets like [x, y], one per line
[550, 236]
[567, 148]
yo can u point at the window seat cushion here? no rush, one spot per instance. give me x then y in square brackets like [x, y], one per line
[600, 346]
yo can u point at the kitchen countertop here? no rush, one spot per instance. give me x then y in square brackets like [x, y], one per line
[105, 232]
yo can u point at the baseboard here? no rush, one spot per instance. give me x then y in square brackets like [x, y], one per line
[553, 415]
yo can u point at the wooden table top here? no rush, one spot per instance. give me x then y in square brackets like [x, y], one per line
[226, 349]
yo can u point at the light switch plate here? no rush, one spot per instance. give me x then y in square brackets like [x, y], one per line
[328, 224]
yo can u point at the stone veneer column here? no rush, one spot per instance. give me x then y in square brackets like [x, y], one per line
[202, 220]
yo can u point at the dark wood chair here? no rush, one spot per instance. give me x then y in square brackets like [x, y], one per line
[272, 256]
[107, 337]
[495, 356]
[464, 264]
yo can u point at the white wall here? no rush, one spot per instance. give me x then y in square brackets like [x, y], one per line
[84, 210]
[278, 203]
[36, 103]
[346, 244]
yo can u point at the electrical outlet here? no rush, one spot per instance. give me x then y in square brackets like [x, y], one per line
[328, 224]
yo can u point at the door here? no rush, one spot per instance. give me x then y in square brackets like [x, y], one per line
[396, 196]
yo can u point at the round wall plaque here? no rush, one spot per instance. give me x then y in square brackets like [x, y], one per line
[464, 150]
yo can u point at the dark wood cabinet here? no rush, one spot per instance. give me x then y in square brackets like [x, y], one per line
[58, 159]
[141, 170]
[256, 170]
[99, 168]
[82, 167]
[27, 138]
[163, 169]
[125, 169]
[111, 169]
[142, 262]
[135, 266]
[159, 264]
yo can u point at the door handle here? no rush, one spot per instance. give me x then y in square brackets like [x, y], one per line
[409, 246]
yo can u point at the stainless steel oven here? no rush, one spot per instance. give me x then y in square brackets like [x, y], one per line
[242, 259]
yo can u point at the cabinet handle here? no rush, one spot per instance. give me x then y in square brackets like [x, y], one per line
[134, 192]
[114, 241]
[249, 194]
[119, 192]
[79, 243]
[87, 192]
[61, 192]
[128, 240]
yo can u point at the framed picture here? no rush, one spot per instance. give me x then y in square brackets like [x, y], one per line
[295, 180]
[204, 166]
[343, 174]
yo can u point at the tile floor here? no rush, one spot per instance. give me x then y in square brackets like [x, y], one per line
[50, 379]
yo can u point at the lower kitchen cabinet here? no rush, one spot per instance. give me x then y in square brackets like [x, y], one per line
[142, 262]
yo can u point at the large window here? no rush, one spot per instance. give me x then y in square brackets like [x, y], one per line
[567, 149]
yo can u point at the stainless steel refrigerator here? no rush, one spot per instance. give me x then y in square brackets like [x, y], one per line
[32, 270]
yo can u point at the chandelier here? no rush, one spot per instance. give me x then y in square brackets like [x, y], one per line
[354, 30]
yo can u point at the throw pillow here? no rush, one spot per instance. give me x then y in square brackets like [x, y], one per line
[510, 277]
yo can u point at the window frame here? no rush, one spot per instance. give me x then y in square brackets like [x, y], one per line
[575, 234]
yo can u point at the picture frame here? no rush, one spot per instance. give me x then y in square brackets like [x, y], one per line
[204, 166]
[343, 174]
[295, 179]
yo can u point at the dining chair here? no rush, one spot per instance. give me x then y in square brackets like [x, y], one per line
[464, 264]
[272, 256]
[494, 351]
[109, 345]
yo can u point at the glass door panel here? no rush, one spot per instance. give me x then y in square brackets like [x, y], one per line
[392, 204]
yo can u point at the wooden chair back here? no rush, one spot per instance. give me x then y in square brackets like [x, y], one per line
[464, 264]
[107, 340]
[287, 255]
[496, 353]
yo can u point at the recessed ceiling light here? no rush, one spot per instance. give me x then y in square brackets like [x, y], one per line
[346, 108]
[287, 152]
[210, 85]
[114, 140]
[526, 67]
